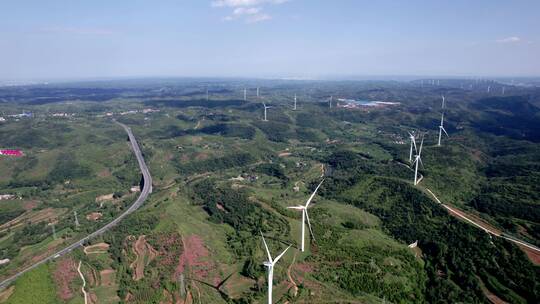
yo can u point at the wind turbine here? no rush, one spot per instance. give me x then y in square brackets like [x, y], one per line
[330, 101]
[295, 102]
[441, 129]
[443, 102]
[413, 145]
[489, 89]
[245, 94]
[265, 108]
[270, 264]
[417, 160]
[306, 216]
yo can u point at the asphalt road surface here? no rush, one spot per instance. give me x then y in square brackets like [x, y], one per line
[147, 189]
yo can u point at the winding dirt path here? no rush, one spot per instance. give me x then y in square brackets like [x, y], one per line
[290, 276]
[84, 283]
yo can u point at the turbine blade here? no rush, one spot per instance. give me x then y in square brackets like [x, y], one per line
[297, 207]
[279, 256]
[309, 225]
[266, 247]
[313, 194]
[442, 128]
[421, 163]
[421, 144]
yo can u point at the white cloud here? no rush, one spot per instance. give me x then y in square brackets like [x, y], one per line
[246, 11]
[251, 11]
[512, 39]
[258, 18]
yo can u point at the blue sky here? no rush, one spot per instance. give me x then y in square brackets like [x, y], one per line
[63, 39]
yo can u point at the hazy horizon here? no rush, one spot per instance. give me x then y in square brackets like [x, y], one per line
[63, 40]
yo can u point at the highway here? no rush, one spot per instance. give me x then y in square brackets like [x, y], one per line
[486, 229]
[147, 189]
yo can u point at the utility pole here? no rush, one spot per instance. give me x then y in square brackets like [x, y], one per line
[76, 219]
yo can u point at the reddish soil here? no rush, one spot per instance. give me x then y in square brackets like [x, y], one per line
[142, 250]
[193, 258]
[29, 205]
[94, 216]
[533, 255]
[303, 267]
[64, 274]
[92, 298]
[169, 248]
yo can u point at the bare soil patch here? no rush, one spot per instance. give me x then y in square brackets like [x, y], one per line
[6, 293]
[97, 248]
[144, 254]
[193, 258]
[64, 274]
[105, 198]
[533, 255]
[94, 216]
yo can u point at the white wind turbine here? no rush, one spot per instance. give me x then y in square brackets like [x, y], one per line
[270, 264]
[330, 101]
[418, 160]
[295, 102]
[441, 129]
[265, 108]
[413, 145]
[306, 216]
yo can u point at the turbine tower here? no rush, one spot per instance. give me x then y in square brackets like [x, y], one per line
[441, 129]
[306, 216]
[413, 145]
[443, 102]
[245, 94]
[330, 101]
[295, 102]
[270, 265]
[417, 160]
[265, 108]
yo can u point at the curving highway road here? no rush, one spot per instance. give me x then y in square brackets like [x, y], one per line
[147, 189]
